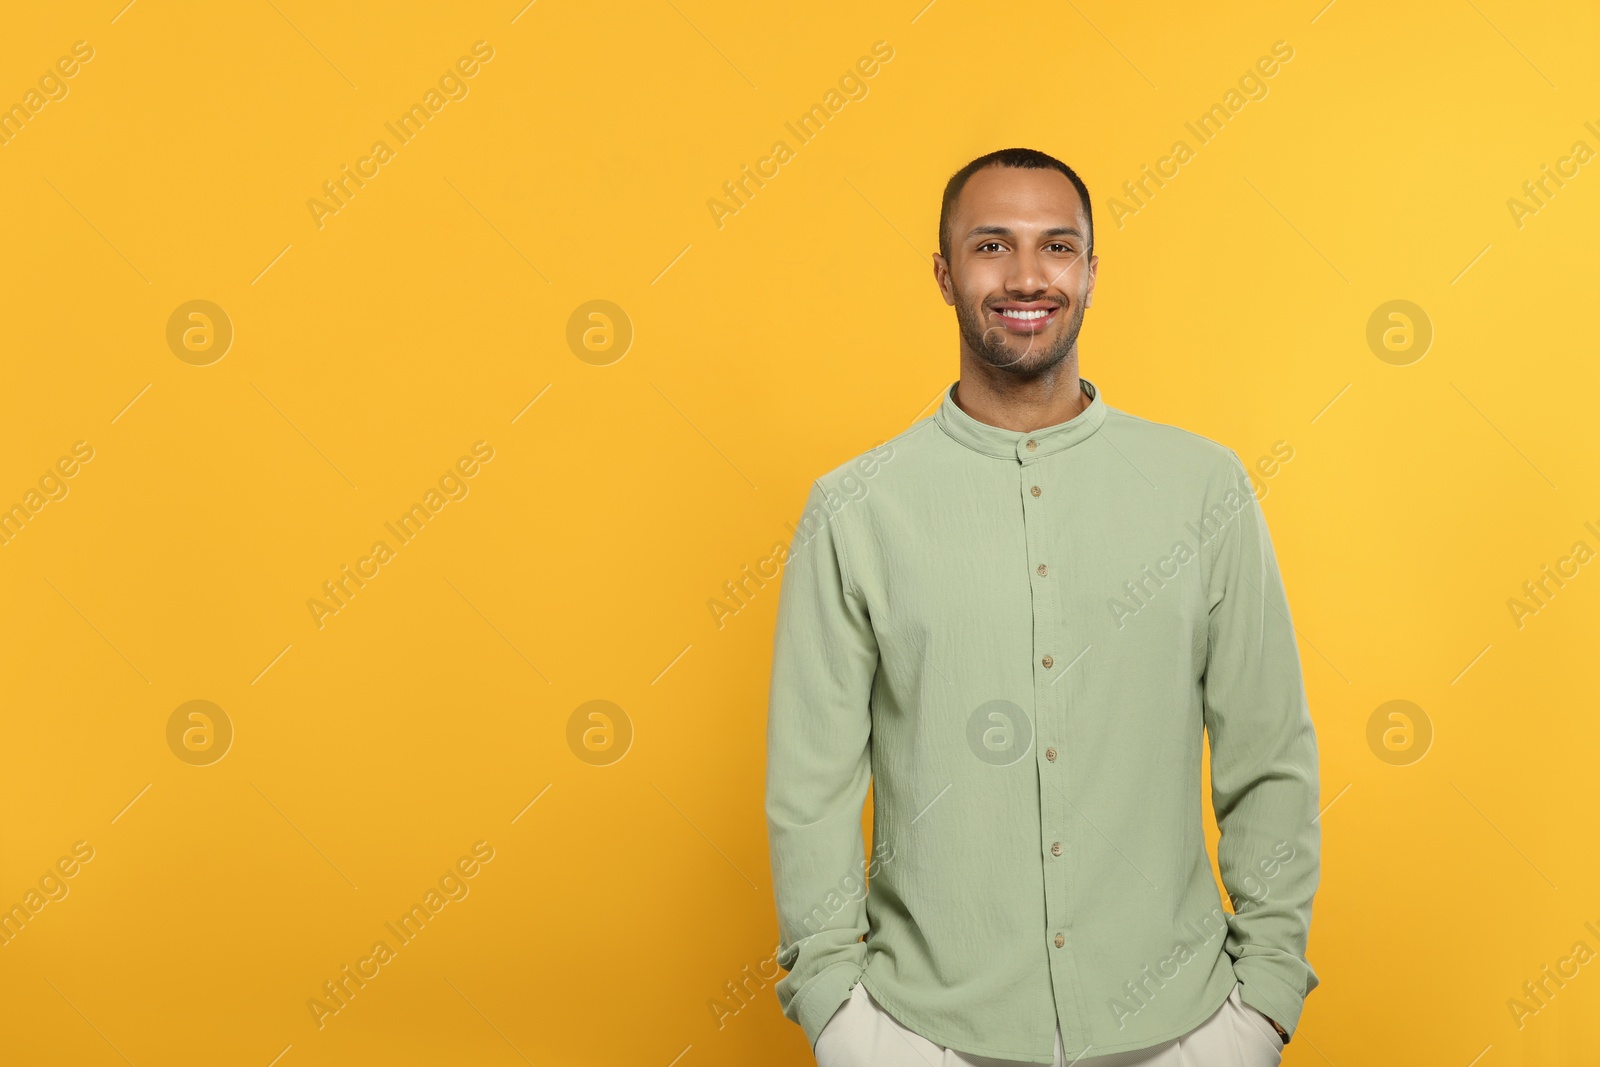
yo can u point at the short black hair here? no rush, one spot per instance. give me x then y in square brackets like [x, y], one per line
[1025, 158]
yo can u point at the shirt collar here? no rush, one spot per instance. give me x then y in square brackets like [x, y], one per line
[1025, 446]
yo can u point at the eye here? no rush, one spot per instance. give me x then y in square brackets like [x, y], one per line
[1063, 247]
[988, 244]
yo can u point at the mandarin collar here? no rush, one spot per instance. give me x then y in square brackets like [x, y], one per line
[1024, 446]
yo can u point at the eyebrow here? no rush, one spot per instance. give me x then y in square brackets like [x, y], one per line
[1002, 231]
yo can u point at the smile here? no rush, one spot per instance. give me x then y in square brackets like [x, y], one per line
[1026, 320]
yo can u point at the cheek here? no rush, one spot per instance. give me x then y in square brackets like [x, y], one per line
[975, 287]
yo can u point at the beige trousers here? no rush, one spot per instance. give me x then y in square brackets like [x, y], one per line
[862, 1034]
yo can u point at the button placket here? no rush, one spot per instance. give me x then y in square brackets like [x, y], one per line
[1054, 821]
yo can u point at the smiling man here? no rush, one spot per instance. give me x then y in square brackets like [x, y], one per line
[1021, 635]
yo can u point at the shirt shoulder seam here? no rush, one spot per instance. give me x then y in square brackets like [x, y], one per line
[836, 536]
[908, 431]
[1208, 556]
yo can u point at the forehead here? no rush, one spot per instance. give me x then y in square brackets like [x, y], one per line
[1017, 197]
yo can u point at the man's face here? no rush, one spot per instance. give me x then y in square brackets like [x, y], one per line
[1017, 274]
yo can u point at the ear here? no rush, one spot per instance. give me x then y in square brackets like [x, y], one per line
[941, 278]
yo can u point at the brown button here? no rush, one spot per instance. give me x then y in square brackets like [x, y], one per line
[1048, 661]
[1050, 754]
[1035, 490]
[1060, 941]
[1043, 570]
[1055, 849]
[1032, 446]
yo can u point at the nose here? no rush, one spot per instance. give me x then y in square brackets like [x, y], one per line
[1027, 277]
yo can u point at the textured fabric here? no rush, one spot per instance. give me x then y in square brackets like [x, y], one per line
[862, 1034]
[1021, 639]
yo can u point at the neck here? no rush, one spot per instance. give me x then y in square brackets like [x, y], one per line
[1003, 399]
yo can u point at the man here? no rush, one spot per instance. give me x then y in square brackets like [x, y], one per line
[1018, 618]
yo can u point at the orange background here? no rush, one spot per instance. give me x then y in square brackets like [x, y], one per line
[431, 311]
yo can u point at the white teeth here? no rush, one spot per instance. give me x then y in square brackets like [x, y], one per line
[1026, 314]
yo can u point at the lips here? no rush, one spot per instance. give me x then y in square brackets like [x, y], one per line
[1026, 318]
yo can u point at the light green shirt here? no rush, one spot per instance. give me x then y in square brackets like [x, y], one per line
[1020, 638]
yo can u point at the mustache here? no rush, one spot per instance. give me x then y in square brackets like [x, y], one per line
[1053, 303]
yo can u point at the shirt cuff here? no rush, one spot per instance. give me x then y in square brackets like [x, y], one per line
[823, 995]
[1264, 991]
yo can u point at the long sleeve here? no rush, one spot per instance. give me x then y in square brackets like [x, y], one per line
[1264, 777]
[825, 656]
